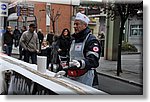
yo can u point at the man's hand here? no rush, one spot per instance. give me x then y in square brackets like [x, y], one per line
[60, 74]
[38, 51]
[59, 50]
[74, 64]
[5, 44]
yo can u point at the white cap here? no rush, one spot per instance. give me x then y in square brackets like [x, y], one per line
[82, 17]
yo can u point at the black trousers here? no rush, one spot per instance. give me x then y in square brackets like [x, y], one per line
[28, 54]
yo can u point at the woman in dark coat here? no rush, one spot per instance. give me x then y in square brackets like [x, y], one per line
[64, 42]
[60, 49]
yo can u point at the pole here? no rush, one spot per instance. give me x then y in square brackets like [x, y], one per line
[119, 70]
[26, 14]
[26, 21]
[1, 28]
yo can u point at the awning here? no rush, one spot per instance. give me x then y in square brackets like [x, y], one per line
[12, 17]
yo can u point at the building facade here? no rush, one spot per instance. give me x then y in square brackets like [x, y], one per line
[134, 32]
[41, 14]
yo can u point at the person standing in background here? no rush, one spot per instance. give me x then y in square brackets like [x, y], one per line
[40, 37]
[23, 29]
[30, 43]
[8, 40]
[50, 40]
[49, 37]
[64, 42]
[17, 35]
[44, 44]
[102, 42]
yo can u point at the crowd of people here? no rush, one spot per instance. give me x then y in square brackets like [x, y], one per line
[76, 54]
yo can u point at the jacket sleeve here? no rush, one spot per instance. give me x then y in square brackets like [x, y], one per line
[37, 43]
[92, 54]
[4, 38]
[22, 41]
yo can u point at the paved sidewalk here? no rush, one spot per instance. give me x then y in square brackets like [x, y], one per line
[132, 67]
[15, 50]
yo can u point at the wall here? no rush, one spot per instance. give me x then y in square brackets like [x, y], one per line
[40, 13]
[111, 39]
[135, 40]
[64, 20]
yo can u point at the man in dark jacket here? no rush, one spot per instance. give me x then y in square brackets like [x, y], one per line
[17, 36]
[8, 41]
[40, 37]
[84, 52]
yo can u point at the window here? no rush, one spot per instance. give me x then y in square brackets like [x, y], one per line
[136, 30]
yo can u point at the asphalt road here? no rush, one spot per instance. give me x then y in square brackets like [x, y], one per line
[115, 86]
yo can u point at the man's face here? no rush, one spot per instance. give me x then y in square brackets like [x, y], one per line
[9, 29]
[79, 26]
[32, 29]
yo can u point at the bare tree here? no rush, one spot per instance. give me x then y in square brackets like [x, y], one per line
[53, 16]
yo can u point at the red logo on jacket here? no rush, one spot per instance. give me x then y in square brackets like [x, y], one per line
[95, 49]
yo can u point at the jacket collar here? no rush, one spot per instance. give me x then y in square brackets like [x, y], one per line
[81, 35]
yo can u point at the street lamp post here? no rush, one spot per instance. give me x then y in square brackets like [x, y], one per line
[26, 6]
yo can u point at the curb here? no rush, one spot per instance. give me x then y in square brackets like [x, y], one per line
[129, 53]
[121, 79]
[15, 53]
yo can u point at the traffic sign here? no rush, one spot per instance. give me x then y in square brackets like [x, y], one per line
[3, 9]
